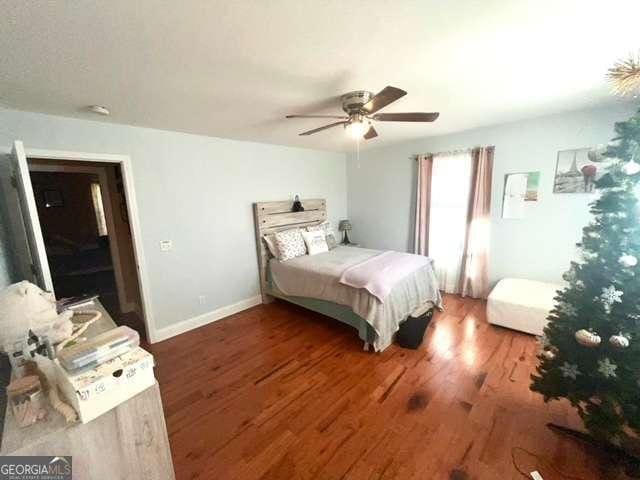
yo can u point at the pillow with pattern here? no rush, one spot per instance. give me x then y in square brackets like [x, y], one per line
[290, 244]
[328, 231]
[316, 242]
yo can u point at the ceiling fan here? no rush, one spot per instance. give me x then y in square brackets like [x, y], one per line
[361, 108]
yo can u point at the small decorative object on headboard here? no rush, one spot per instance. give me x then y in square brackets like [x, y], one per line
[345, 226]
[297, 205]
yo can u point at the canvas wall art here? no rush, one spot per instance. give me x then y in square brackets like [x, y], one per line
[577, 170]
[518, 189]
[533, 181]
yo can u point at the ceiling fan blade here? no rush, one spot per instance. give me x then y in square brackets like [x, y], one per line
[386, 96]
[371, 133]
[340, 117]
[406, 117]
[319, 129]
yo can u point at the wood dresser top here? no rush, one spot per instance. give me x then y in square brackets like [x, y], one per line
[14, 437]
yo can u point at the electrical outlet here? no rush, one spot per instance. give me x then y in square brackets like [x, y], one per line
[165, 245]
[202, 299]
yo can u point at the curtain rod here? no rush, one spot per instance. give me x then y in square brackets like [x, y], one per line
[448, 152]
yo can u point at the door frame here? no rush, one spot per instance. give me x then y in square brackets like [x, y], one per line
[114, 249]
[124, 161]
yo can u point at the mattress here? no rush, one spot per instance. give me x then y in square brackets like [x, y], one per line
[318, 276]
[522, 305]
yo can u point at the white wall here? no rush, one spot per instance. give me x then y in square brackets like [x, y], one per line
[198, 192]
[381, 189]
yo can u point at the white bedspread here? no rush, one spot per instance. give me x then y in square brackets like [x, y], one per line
[380, 273]
[318, 276]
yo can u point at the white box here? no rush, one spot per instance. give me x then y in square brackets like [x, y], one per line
[522, 305]
[96, 391]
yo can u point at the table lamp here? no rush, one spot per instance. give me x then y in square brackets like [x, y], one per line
[345, 226]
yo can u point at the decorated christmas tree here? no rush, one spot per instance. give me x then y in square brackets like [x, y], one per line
[591, 346]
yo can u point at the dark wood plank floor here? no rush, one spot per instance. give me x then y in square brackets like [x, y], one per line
[278, 392]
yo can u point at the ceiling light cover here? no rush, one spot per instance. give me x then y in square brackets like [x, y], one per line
[357, 129]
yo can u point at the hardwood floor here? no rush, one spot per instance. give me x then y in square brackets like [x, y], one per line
[278, 392]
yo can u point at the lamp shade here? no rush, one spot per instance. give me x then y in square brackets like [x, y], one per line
[344, 225]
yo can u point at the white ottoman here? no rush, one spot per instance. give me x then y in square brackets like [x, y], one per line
[521, 304]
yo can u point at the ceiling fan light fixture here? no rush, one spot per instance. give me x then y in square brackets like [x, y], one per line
[357, 128]
[361, 108]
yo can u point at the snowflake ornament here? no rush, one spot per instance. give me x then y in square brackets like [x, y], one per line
[610, 296]
[607, 368]
[569, 370]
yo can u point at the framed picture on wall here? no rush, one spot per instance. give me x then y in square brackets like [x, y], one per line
[518, 189]
[578, 170]
[52, 198]
[533, 182]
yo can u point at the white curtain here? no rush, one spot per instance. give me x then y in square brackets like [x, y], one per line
[450, 188]
[98, 208]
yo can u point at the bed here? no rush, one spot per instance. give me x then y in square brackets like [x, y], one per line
[313, 281]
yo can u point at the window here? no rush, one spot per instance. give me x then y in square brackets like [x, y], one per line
[98, 208]
[450, 185]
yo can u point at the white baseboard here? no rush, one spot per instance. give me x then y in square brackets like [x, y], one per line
[205, 318]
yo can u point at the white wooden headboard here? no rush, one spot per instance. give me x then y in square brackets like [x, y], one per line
[271, 217]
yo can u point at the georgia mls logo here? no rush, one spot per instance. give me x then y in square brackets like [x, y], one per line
[35, 468]
[59, 466]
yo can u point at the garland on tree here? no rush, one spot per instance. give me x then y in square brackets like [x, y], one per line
[591, 347]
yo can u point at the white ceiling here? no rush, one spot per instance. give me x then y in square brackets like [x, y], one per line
[235, 68]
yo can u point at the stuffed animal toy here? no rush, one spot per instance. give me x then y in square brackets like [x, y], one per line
[26, 307]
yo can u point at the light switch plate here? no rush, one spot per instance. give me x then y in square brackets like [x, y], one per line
[165, 245]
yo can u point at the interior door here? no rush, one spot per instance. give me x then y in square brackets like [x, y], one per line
[39, 262]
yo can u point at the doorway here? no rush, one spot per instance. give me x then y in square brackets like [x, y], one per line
[111, 211]
[83, 214]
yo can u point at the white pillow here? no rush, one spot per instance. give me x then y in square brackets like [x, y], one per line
[290, 244]
[328, 231]
[316, 242]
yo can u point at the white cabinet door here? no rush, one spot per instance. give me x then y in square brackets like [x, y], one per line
[39, 263]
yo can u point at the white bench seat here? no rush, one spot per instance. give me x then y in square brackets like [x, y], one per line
[521, 304]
